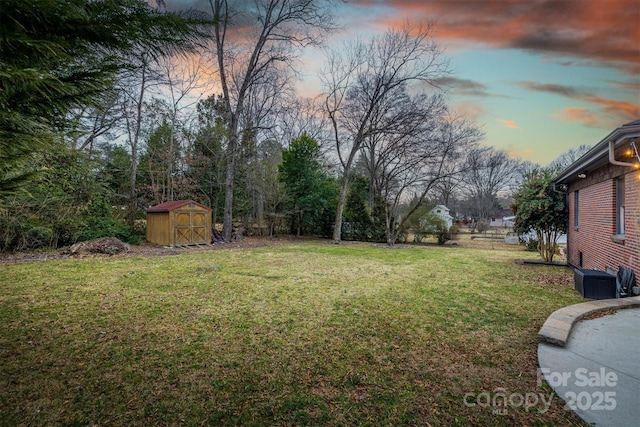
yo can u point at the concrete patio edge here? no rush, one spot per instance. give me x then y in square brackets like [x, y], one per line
[557, 327]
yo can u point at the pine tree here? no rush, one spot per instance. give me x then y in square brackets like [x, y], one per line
[56, 55]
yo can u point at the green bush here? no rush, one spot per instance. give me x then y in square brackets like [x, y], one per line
[110, 227]
[358, 223]
[431, 224]
[64, 205]
[532, 245]
[442, 237]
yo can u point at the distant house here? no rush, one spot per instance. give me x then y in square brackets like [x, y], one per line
[503, 222]
[443, 213]
[182, 222]
[603, 197]
[509, 221]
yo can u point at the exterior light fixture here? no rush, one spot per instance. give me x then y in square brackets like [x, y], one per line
[582, 175]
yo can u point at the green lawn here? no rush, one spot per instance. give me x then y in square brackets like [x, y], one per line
[305, 333]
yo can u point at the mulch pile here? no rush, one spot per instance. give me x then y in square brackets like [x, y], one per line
[103, 245]
[108, 246]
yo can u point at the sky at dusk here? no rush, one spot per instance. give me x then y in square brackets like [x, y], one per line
[538, 76]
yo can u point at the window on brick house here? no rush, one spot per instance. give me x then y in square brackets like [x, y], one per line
[576, 208]
[620, 206]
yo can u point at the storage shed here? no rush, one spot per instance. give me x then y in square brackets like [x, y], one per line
[182, 222]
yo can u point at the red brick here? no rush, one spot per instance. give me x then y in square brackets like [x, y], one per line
[597, 220]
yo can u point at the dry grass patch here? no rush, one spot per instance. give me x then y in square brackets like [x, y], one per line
[295, 334]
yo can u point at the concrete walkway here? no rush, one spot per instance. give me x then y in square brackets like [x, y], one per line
[594, 365]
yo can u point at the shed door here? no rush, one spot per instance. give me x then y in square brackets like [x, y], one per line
[190, 227]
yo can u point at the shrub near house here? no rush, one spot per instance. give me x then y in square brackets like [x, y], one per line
[437, 222]
[540, 209]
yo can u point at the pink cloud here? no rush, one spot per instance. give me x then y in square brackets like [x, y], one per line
[470, 110]
[577, 114]
[588, 118]
[511, 124]
[612, 106]
[524, 154]
[622, 111]
[604, 32]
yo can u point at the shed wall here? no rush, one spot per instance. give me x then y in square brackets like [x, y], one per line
[158, 228]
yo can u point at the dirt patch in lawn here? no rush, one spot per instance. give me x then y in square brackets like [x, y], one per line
[554, 279]
[84, 250]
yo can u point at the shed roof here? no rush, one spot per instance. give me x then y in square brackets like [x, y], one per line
[169, 206]
[598, 155]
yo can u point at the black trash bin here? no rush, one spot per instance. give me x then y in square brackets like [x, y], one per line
[594, 284]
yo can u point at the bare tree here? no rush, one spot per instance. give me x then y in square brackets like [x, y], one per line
[135, 85]
[91, 122]
[206, 159]
[250, 41]
[569, 156]
[301, 116]
[269, 196]
[182, 80]
[419, 167]
[362, 78]
[489, 173]
[176, 79]
[447, 190]
[391, 156]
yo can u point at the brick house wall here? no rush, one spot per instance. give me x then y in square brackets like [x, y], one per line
[595, 234]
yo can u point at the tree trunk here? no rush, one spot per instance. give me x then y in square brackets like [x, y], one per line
[227, 225]
[549, 245]
[391, 237]
[342, 201]
[131, 215]
[260, 211]
[541, 244]
[170, 183]
[372, 178]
